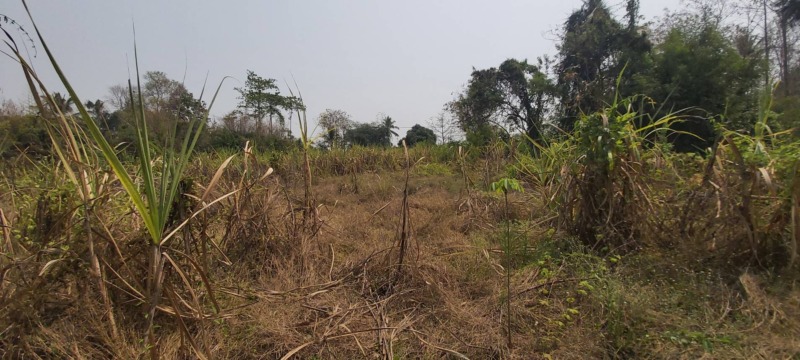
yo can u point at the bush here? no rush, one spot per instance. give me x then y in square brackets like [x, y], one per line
[23, 133]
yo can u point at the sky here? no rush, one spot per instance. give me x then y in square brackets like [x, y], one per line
[402, 58]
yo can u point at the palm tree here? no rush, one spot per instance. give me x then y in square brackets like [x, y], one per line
[62, 103]
[98, 111]
[388, 126]
[97, 108]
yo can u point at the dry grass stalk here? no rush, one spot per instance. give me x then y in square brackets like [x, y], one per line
[78, 160]
[405, 221]
[794, 241]
[7, 242]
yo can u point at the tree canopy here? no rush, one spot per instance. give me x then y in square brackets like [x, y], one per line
[418, 134]
[261, 99]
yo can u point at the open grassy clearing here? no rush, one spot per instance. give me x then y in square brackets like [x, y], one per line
[603, 242]
[328, 290]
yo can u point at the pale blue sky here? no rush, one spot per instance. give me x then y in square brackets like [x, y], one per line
[402, 58]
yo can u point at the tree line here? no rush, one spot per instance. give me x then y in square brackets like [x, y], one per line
[712, 62]
[261, 117]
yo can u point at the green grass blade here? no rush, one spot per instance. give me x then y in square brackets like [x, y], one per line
[97, 136]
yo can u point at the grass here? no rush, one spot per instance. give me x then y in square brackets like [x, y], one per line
[617, 248]
[658, 303]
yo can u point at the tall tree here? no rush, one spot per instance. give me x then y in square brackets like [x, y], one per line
[788, 13]
[516, 93]
[97, 108]
[184, 107]
[595, 49]
[157, 89]
[334, 124]
[474, 108]
[62, 103]
[118, 96]
[526, 92]
[262, 99]
[388, 128]
[443, 127]
[789, 10]
[699, 69]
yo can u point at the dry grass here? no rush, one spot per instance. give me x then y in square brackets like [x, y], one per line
[323, 292]
[330, 290]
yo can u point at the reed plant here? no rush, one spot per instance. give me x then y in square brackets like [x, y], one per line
[504, 186]
[153, 193]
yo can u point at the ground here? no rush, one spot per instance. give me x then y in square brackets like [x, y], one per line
[450, 299]
[330, 283]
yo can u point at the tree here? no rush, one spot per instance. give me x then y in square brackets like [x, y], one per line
[157, 89]
[418, 134]
[10, 108]
[698, 69]
[62, 103]
[261, 99]
[236, 123]
[335, 124]
[387, 126]
[234, 129]
[366, 135]
[516, 93]
[118, 96]
[789, 10]
[595, 49]
[443, 127]
[474, 108]
[96, 108]
[183, 106]
[526, 94]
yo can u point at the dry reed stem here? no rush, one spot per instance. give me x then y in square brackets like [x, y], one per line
[7, 244]
[794, 242]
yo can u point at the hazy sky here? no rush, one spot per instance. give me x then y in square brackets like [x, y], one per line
[402, 58]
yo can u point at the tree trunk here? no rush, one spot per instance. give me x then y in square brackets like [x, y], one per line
[766, 47]
[784, 26]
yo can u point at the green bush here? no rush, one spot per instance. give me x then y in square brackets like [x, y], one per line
[23, 133]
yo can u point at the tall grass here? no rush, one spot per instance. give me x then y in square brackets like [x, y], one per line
[593, 178]
[78, 160]
[153, 193]
[763, 161]
[504, 186]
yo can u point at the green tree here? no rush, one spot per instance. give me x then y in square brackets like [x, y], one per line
[594, 50]
[262, 99]
[157, 89]
[418, 134]
[388, 128]
[184, 107]
[527, 93]
[63, 103]
[698, 69]
[516, 93]
[366, 135]
[474, 108]
[97, 108]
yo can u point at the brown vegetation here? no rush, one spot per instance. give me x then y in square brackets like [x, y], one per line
[280, 288]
